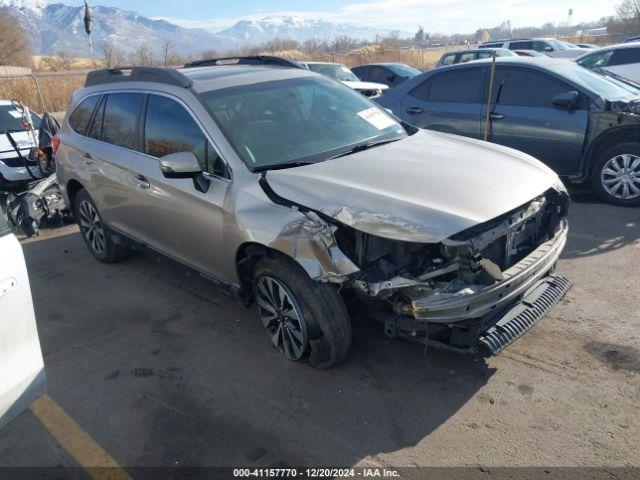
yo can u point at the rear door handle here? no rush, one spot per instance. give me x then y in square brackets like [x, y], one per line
[141, 182]
[496, 116]
[414, 110]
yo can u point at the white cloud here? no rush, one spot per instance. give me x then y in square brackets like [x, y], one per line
[446, 16]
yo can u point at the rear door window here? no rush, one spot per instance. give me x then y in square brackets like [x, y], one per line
[79, 119]
[464, 86]
[169, 128]
[379, 75]
[448, 59]
[120, 120]
[527, 88]
[521, 45]
[624, 56]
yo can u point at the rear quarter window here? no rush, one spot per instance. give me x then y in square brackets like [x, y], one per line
[79, 119]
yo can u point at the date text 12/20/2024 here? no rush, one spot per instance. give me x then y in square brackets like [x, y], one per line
[315, 473]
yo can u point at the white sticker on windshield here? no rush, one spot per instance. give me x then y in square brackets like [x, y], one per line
[376, 118]
[15, 114]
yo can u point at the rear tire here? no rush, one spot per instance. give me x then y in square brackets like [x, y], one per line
[317, 307]
[94, 234]
[616, 175]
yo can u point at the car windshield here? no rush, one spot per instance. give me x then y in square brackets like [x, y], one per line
[294, 121]
[11, 119]
[334, 70]
[604, 86]
[404, 70]
[558, 44]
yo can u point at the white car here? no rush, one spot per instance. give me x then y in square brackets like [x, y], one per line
[340, 72]
[12, 169]
[549, 46]
[22, 375]
[623, 60]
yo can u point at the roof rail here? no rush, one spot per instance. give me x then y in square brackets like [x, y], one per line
[139, 74]
[267, 60]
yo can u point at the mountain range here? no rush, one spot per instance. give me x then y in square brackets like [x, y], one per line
[55, 27]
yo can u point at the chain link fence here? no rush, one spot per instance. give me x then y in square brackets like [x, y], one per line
[50, 91]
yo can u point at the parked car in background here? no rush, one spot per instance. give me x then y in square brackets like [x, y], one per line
[22, 374]
[463, 56]
[590, 46]
[12, 169]
[623, 60]
[340, 72]
[529, 53]
[549, 46]
[390, 74]
[582, 124]
[289, 190]
[632, 39]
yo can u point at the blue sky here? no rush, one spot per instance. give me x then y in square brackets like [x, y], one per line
[446, 16]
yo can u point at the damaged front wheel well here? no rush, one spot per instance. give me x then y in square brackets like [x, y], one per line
[73, 187]
[247, 256]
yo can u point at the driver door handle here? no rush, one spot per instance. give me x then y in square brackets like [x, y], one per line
[496, 116]
[414, 110]
[141, 182]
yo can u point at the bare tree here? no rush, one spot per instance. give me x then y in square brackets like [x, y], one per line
[629, 13]
[209, 54]
[341, 44]
[112, 56]
[143, 56]
[14, 47]
[65, 60]
[166, 53]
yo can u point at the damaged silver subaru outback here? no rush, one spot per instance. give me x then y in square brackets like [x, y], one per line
[293, 192]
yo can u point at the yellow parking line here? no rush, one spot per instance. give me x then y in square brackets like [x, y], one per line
[80, 445]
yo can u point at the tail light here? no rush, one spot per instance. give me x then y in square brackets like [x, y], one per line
[55, 143]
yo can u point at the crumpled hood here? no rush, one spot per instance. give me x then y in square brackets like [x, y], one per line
[424, 188]
[365, 85]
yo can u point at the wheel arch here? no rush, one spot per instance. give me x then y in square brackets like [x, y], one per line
[608, 139]
[73, 187]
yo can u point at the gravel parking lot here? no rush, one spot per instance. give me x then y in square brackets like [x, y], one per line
[162, 370]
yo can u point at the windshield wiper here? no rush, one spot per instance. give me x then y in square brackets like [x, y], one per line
[363, 146]
[280, 166]
[607, 73]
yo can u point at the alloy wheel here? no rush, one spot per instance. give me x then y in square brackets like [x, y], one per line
[282, 317]
[620, 177]
[91, 227]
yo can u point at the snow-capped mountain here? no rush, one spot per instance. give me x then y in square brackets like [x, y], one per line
[293, 28]
[53, 28]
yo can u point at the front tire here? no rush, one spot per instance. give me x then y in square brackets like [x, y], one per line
[94, 234]
[302, 317]
[616, 175]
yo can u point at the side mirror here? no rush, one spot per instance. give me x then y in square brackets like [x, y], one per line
[180, 165]
[392, 78]
[566, 100]
[184, 165]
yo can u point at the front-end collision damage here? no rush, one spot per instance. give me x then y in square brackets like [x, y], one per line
[310, 241]
[415, 287]
[298, 233]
